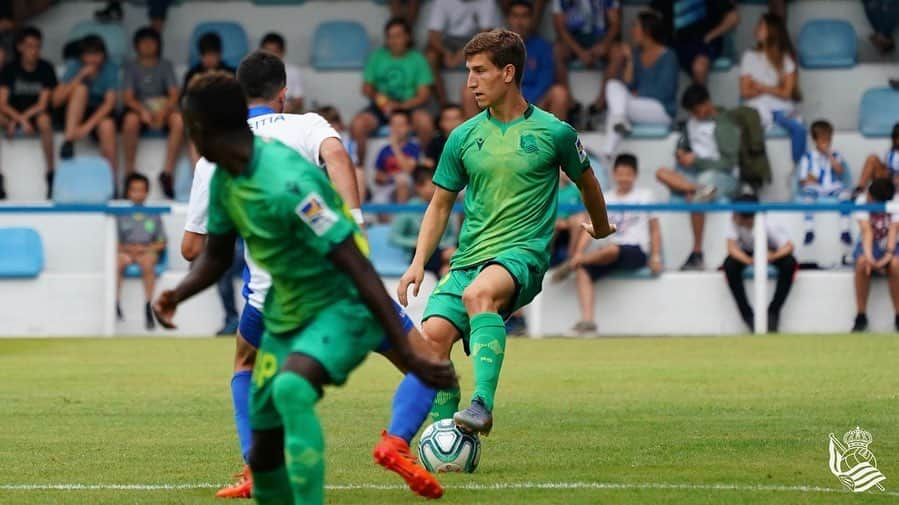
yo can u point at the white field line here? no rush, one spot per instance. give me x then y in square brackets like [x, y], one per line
[472, 487]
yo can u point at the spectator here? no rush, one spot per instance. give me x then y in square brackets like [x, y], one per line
[150, 94]
[156, 11]
[141, 241]
[450, 117]
[769, 82]
[451, 25]
[778, 8]
[333, 117]
[637, 243]
[588, 32]
[876, 168]
[538, 82]
[210, 48]
[539, 8]
[7, 34]
[396, 161]
[25, 87]
[406, 9]
[706, 157]
[884, 17]
[697, 29]
[647, 89]
[395, 77]
[405, 226]
[876, 250]
[820, 174]
[274, 43]
[740, 249]
[89, 95]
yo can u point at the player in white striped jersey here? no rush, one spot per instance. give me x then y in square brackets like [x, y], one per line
[822, 173]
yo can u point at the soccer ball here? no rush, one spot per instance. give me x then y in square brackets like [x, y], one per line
[443, 447]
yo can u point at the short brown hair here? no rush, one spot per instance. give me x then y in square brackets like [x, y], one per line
[821, 127]
[503, 47]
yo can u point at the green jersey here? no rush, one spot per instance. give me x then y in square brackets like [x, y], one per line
[398, 78]
[511, 171]
[290, 218]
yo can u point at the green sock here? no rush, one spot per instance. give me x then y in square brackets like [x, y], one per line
[272, 488]
[304, 444]
[446, 403]
[488, 347]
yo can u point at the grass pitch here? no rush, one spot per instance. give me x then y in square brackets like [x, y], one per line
[611, 421]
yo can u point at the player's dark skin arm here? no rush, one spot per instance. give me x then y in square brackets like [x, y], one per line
[350, 260]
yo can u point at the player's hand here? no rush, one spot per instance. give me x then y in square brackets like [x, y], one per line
[414, 276]
[164, 309]
[597, 234]
[27, 129]
[437, 374]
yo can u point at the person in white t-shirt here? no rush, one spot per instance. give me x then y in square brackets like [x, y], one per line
[876, 250]
[274, 43]
[740, 249]
[769, 82]
[636, 244]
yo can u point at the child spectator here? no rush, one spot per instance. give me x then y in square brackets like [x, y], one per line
[876, 250]
[141, 241]
[89, 96]
[450, 117]
[150, 94]
[274, 43]
[210, 48]
[396, 161]
[740, 249]
[25, 87]
[637, 243]
[820, 174]
[331, 115]
[876, 168]
[405, 226]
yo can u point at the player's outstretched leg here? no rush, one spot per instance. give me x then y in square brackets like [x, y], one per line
[488, 347]
[304, 445]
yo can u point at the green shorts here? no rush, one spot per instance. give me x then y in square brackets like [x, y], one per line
[527, 271]
[340, 337]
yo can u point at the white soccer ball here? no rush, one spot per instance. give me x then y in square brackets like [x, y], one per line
[443, 447]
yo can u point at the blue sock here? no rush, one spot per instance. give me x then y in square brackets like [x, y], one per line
[411, 406]
[240, 394]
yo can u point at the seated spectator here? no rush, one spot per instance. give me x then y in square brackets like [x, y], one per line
[451, 25]
[274, 43]
[450, 117]
[25, 87]
[150, 94]
[141, 241]
[637, 243]
[88, 97]
[820, 174]
[646, 89]
[740, 249]
[587, 32]
[396, 161]
[406, 9]
[539, 8]
[876, 168]
[697, 29]
[707, 157]
[769, 82]
[876, 250]
[405, 226]
[884, 18]
[538, 82]
[209, 46]
[396, 76]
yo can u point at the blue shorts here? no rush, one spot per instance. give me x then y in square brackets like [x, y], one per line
[251, 326]
[407, 326]
[876, 249]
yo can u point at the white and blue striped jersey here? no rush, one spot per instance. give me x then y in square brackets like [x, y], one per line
[891, 160]
[817, 164]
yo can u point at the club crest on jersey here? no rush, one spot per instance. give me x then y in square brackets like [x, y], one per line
[581, 152]
[528, 143]
[480, 142]
[315, 213]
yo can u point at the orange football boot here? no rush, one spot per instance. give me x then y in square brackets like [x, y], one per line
[243, 488]
[392, 453]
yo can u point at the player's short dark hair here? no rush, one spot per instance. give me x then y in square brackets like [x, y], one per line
[148, 32]
[136, 177]
[330, 113]
[502, 47]
[882, 189]
[821, 128]
[625, 160]
[273, 38]
[29, 31]
[746, 198]
[209, 42]
[422, 174]
[262, 75]
[695, 94]
[92, 44]
[401, 112]
[653, 25]
[521, 3]
[218, 99]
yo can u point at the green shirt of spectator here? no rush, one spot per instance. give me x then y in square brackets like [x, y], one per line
[398, 77]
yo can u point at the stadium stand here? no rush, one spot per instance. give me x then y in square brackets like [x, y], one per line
[162, 264]
[827, 43]
[878, 112]
[388, 259]
[234, 41]
[84, 179]
[21, 253]
[340, 45]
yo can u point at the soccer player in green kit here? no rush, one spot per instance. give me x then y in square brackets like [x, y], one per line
[508, 157]
[326, 309]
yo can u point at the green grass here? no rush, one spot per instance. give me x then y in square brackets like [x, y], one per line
[748, 412]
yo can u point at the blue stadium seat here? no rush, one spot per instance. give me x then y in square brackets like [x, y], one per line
[649, 131]
[388, 259]
[162, 264]
[83, 179]
[234, 41]
[340, 45]
[602, 172]
[725, 62]
[878, 112]
[827, 43]
[21, 253]
[749, 272]
[382, 132]
[112, 34]
[777, 132]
